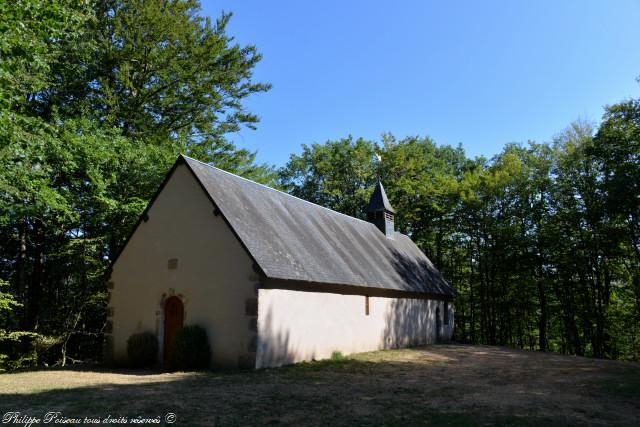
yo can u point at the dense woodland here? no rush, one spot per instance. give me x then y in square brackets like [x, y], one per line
[97, 99]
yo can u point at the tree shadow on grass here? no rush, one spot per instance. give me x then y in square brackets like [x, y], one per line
[327, 392]
[314, 393]
[94, 367]
[372, 389]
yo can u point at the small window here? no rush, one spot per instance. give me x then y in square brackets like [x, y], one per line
[366, 305]
[446, 313]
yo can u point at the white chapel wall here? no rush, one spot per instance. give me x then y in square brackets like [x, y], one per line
[294, 326]
[213, 277]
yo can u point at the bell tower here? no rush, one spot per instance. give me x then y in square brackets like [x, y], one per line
[380, 212]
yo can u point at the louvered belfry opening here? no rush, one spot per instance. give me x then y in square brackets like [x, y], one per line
[380, 212]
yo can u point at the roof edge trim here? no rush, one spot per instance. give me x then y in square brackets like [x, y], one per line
[256, 264]
[347, 289]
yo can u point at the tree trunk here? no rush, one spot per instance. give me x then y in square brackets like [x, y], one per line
[542, 324]
[35, 287]
[21, 273]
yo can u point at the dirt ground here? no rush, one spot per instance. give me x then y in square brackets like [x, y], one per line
[451, 385]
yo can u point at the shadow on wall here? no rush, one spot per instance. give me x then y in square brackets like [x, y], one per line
[410, 322]
[274, 347]
[407, 322]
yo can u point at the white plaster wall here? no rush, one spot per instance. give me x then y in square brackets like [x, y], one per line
[214, 275]
[294, 326]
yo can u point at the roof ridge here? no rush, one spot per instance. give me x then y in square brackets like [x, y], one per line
[276, 190]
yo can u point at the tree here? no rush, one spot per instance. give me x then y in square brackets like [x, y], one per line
[97, 100]
[616, 153]
[32, 35]
[159, 72]
[31, 47]
[337, 174]
[7, 301]
[538, 240]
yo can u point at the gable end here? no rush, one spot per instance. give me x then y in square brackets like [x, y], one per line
[144, 217]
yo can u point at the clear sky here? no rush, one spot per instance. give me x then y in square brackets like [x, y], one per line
[480, 73]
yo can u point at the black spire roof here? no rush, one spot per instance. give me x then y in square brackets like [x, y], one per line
[378, 201]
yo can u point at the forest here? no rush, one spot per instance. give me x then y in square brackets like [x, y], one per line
[98, 98]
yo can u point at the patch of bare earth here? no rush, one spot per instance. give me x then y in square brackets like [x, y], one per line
[433, 385]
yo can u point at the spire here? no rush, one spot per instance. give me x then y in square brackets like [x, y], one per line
[379, 211]
[379, 201]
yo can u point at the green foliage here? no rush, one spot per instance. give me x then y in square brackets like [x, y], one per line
[541, 242]
[18, 350]
[97, 99]
[7, 301]
[142, 350]
[616, 155]
[337, 356]
[190, 349]
[159, 71]
[32, 35]
[337, 174]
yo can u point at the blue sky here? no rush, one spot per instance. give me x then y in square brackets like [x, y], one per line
[480, 73]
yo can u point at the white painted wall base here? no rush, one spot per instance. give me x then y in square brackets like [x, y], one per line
[294, 326]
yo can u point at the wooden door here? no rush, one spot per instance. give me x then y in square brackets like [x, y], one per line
[173, 317]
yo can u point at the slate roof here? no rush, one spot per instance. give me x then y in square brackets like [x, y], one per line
[379, 201]
[293, 239]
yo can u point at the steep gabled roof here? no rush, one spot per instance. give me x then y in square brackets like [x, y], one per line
[379, 201]
[293, 239]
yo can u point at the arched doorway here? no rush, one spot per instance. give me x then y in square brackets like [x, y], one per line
[173, 318]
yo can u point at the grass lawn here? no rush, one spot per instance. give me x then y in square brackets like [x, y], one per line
[448, 385]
